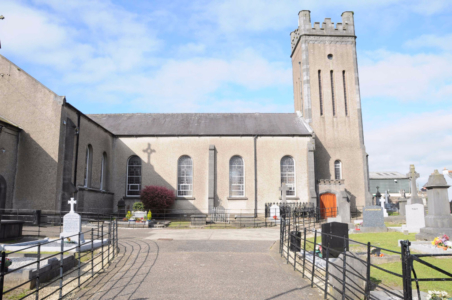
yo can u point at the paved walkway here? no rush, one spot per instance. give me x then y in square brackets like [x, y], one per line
[198, 264]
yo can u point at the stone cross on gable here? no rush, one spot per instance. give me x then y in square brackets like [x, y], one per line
[71, 203]
[283, 190]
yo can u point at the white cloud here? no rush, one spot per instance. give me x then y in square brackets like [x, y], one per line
[406, 77]
[421, 139]
[431, 41]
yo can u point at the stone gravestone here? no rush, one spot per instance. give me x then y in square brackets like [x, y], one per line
[438, 221]
[415, 218]
[336, 242]
[373, 219]
[382, 203]
[72, 225]
[414, 196]
[274, 211]
[283, 190]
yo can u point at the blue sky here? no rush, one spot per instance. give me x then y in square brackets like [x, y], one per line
[233, 56]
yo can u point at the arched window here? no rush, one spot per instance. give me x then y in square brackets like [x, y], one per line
[88, 166]
[288, 174]
[103, 172]
[185, 176]
[133, 176]
[236, 177]
[338, 169]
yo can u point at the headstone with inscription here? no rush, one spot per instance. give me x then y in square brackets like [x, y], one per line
[72, 225]
[415, 218]
[373, 216]
[274, 212]
[335, 238]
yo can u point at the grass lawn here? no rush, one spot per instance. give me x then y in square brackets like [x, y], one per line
[393, 224]
[422, 271]
[388, 240]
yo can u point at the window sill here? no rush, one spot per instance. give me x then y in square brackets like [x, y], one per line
[237, 198]
[185, 198]
[90, 189]
[290, 198]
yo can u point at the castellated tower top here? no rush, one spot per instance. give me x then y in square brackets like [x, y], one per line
[346, 28]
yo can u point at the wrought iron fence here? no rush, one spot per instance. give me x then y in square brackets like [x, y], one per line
[350, 274]
[78, 263]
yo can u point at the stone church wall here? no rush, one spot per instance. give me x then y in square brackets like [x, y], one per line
[37, 110]
[9, 142]
[101, 142]
[160, 155]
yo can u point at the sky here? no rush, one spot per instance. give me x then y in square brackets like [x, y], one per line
[234, 56]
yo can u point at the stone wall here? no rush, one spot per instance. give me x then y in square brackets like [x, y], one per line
[160, 167]
[339, 133]
[9, 143]
[92, 200]
[37, 110]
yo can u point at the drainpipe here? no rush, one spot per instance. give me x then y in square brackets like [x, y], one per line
[255, 177]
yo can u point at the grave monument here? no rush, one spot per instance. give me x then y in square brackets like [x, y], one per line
[402, 203]
[373, 220]
[415, 218]
[382, 204]
[335, 239]
[72, 225]
[414, 196]
[438, 221]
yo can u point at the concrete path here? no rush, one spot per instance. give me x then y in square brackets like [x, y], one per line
[198, 264]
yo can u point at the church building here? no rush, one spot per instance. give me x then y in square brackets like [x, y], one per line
[50, 151]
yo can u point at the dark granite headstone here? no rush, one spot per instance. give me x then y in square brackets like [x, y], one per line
[334, 241]
[373, 216]
[295, 241]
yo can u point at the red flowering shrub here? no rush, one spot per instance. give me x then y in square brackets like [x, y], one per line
[157, 198]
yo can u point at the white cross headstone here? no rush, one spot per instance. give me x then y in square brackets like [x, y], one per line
[382, 203]
[283, 190]
[72, 225]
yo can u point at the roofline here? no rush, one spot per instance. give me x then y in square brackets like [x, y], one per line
[212, 135]
[9, 124]
[65, 103]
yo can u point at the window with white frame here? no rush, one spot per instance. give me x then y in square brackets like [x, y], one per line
[338, 169]
[88, 165]
[103, 172]
[133, 176]
[288, 174]
[236, 177]
[185, 176]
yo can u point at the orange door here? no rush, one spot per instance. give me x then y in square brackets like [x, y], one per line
[328, 208]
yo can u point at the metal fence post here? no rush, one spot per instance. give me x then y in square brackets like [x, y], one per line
[326, 269]
[2, 270]
[304, 251]
[61, 267]
[79, 259]
[313, 258]
[92, 252]
[344, 270]
[406, 270]
[37, 271]
[367, 296]
[288, 241]
[109, 241]
[102, 245]
[117, 236]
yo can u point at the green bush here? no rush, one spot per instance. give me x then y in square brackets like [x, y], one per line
[129, 215]
[138, 206]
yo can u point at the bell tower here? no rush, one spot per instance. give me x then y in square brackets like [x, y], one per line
[326, 92]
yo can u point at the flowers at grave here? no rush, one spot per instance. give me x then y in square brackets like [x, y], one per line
[125, 219]
[149, 216]
[437, 295]
[8, 262]
[442, 242]
[137, 219]
[129, 215]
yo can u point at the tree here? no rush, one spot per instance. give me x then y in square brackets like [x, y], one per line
[157, 198]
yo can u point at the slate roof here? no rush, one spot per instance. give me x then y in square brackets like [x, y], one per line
[386, 175]
[203, 124]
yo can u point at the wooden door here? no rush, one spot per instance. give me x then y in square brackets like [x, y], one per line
[328, 207]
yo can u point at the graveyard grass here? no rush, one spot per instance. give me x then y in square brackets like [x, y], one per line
[388, 240]
[388, 280]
